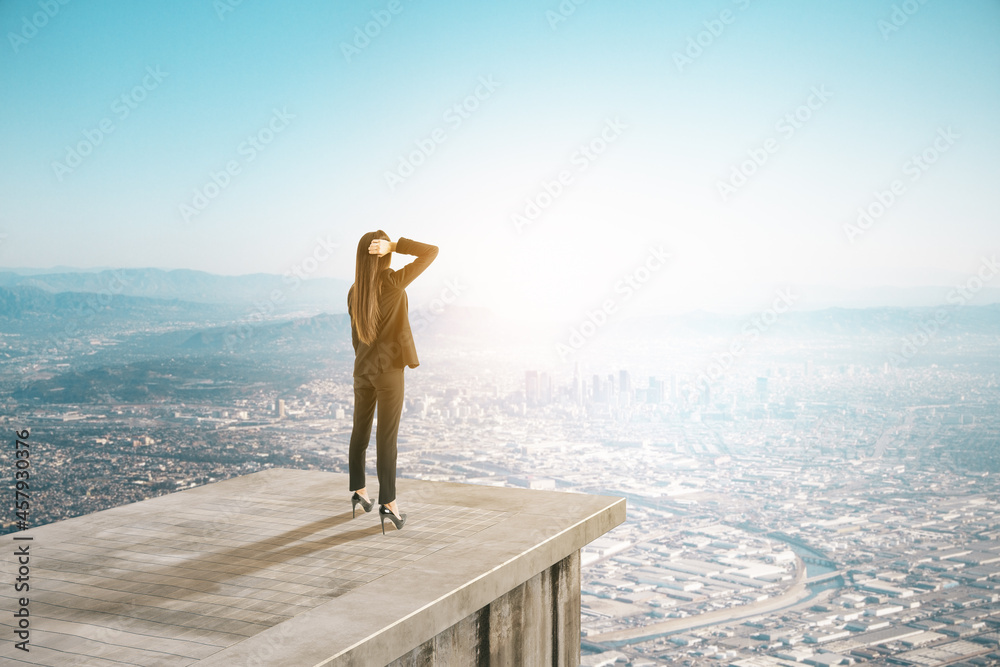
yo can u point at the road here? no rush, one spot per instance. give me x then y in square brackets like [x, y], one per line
[794, 594]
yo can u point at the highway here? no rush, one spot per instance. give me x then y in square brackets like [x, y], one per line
[795, 593]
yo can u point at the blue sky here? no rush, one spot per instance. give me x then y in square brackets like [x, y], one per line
[202, 82]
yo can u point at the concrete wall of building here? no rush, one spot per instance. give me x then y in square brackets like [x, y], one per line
[536, 623]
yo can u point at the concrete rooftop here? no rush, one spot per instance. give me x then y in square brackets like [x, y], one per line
[270, 568]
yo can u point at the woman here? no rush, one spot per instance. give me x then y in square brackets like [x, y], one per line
[383, 346]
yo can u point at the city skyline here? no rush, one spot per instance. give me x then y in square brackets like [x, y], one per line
[809, 487]
[818, 505]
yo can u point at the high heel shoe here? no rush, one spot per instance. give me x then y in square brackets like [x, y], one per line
[386, 513]
[367, 506]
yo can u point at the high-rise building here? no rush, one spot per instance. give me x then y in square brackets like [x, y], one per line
[655, 392]
[762, 389]
[544, 388]
[624, 389]
[577, 388]
[531, 387]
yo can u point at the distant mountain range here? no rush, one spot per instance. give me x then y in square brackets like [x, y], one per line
[195, 286]
[330, 294]
[820, 297]
[148, 334]
[827, 322]
[30, 309]
[203, 309]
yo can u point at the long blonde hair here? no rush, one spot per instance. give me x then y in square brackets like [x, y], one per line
[362, 301]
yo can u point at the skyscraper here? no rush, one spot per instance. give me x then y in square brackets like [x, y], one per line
[544, 388]
[598, 394]
[655, 392]
[624, 388]
[577, 389]
[762, 389]
[531, 387]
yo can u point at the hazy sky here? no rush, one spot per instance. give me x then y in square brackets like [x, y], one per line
[740, 137]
